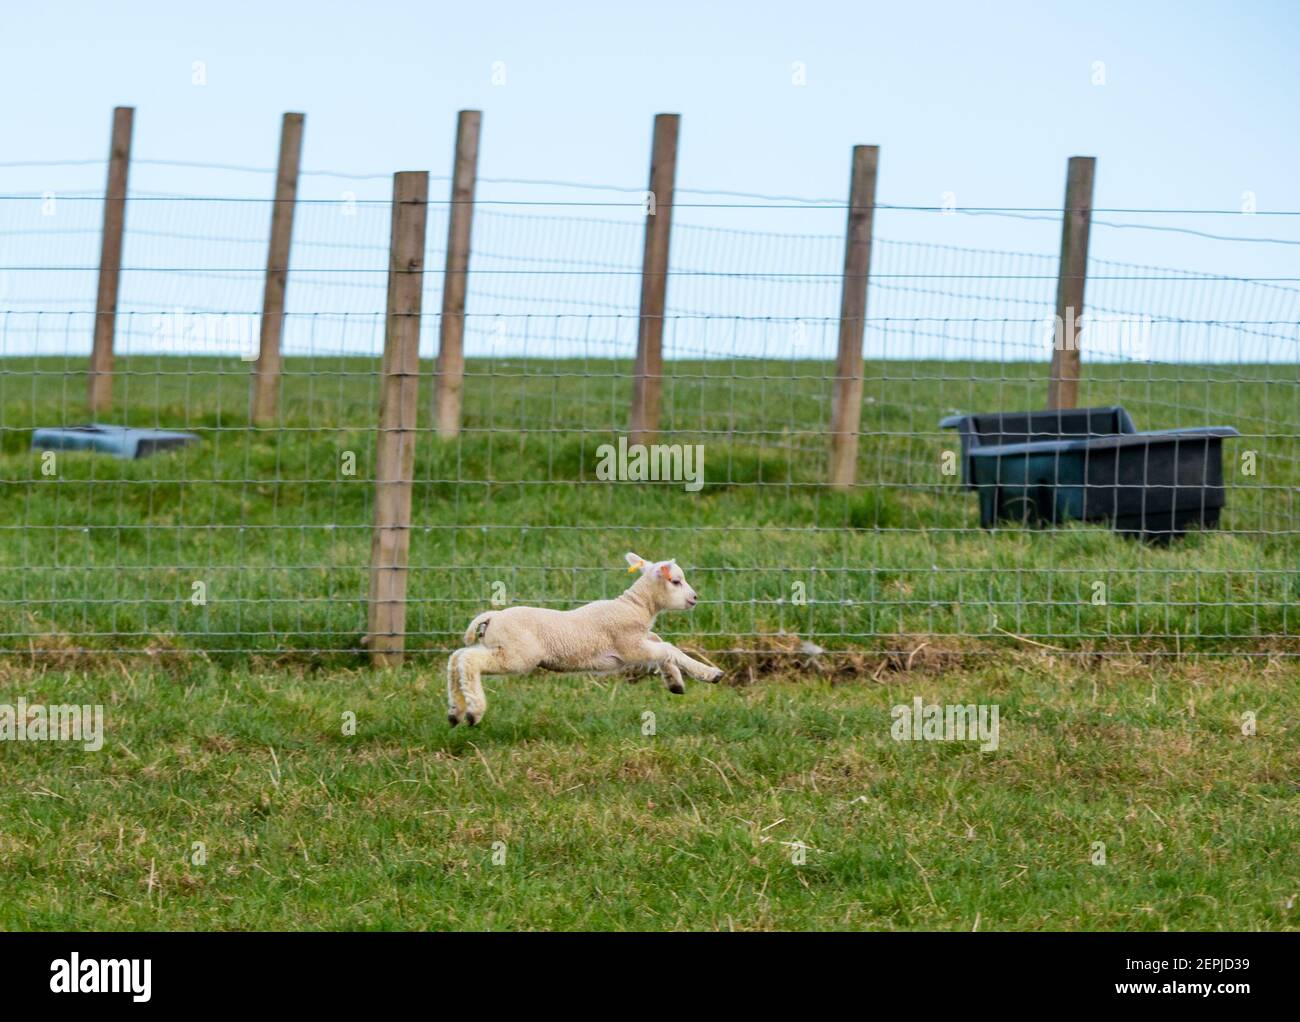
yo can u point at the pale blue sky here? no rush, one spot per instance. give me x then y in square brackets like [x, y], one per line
[986, 101]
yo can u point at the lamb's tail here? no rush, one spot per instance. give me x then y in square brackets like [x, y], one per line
[476, 628]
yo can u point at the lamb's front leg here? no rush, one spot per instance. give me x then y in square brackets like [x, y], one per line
[673, 677]
[696, 669]
[669, 670]
[666, 653]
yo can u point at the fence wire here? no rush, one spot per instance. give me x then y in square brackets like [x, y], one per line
[256, 539]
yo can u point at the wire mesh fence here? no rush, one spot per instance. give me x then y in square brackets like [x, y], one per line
[256, 538]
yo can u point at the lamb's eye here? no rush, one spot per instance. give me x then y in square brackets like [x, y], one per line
[677, 581]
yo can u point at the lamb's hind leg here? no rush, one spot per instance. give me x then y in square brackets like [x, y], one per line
[469, 676]
[455, 701]
[476, 661]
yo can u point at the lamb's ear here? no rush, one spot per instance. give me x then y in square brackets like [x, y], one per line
[666, 569]
[634, 561]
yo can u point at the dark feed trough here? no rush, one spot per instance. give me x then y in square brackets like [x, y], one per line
[1092, 465]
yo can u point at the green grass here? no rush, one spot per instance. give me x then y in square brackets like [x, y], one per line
[104, 554]
[604, 827]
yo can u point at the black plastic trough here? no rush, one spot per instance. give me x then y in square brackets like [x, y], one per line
[1092, 464]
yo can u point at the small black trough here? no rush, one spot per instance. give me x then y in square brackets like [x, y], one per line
[119, 441]
[1091, 465]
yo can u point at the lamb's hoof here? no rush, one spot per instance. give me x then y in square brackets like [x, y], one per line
[470, 719]
[716, 676]
[452, 719]
[677, 688]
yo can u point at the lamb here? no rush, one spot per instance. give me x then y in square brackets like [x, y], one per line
[602, 637]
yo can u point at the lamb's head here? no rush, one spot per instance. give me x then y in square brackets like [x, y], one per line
[664, 583]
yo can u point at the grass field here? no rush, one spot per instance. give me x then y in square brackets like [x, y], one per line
[226, 741]
[602, 826]
[104, 554]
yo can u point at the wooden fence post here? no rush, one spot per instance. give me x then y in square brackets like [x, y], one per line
[1063, 386]
[648, 372]
[846, 408]
[266, 373]
[450, 369]
[99, 389]
[398, 401]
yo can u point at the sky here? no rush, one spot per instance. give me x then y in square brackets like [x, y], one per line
[1186, 106]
